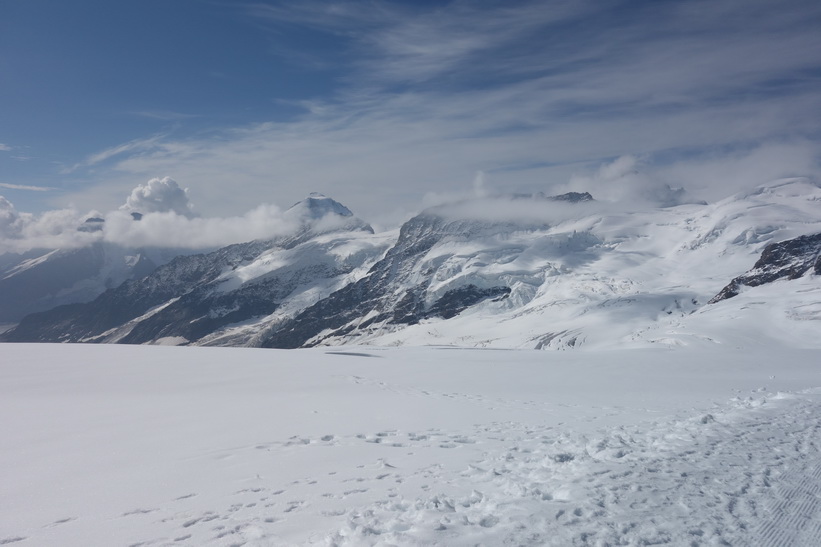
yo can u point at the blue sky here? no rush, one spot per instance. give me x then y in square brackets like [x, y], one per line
[389, 106]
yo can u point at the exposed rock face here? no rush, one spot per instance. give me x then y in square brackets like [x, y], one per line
[394, 290]
[455, 301]
[789, 259]
[77, 322]
[573, 197]
[570, 197]
[193, 296]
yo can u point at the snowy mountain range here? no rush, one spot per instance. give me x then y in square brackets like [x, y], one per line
[42, 279]
[533, 271]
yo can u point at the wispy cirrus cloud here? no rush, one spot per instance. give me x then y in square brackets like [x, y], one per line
[393, 42]
[26, 187]
[135, 145]
[529, 93]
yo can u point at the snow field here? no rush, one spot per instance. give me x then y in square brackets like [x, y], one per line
[702, 481]
[621, 279]
[135, 445]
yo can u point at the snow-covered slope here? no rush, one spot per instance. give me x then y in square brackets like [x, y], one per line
[507, 271]
[41, 280]
[689, 418]
[213, 447]
[228, 296]
[514, 274]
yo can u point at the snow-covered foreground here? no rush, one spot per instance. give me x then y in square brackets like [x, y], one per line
[134, 445]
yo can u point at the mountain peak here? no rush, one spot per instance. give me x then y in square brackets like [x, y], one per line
[320, 214]
[572, 197]
[317, 205]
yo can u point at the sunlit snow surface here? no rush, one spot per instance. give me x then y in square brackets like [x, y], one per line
[625, 279]
[136, 445]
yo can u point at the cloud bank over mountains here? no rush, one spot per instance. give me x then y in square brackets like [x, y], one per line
[167, 219]
[167, 216]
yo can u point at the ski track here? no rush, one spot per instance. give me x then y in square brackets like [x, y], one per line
[748, 473]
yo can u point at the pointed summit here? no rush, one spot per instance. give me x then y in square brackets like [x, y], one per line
[317, 205]
[319, 214]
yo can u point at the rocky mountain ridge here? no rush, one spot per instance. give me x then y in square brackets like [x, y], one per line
[189, 297]
[549, 272]
[42, 279]
[789, 259]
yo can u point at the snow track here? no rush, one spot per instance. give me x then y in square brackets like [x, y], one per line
[749, 474]
[793, 517]
[745, 474]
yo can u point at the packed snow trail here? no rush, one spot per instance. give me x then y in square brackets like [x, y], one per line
[748, 474]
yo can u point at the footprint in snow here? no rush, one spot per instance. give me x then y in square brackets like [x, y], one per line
[246, 490]
[61, 521]
[139, 512]
[294, 505]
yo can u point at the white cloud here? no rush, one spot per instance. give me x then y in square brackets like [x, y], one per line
[170, 229]
[519, 212]
[5, 147]
[8, 217]
[159, 196]
[528, 93]
[412, 44]
[479, 189]
[714, 176]
[20, 232]
[136, 145]
[166, 222]
[25, 187]
[624, 181]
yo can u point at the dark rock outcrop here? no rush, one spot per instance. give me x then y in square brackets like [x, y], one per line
[78, 322]
[572, 197]
[389, 294]
[789, 259]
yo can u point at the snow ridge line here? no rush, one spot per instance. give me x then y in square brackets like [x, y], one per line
[745, 474]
